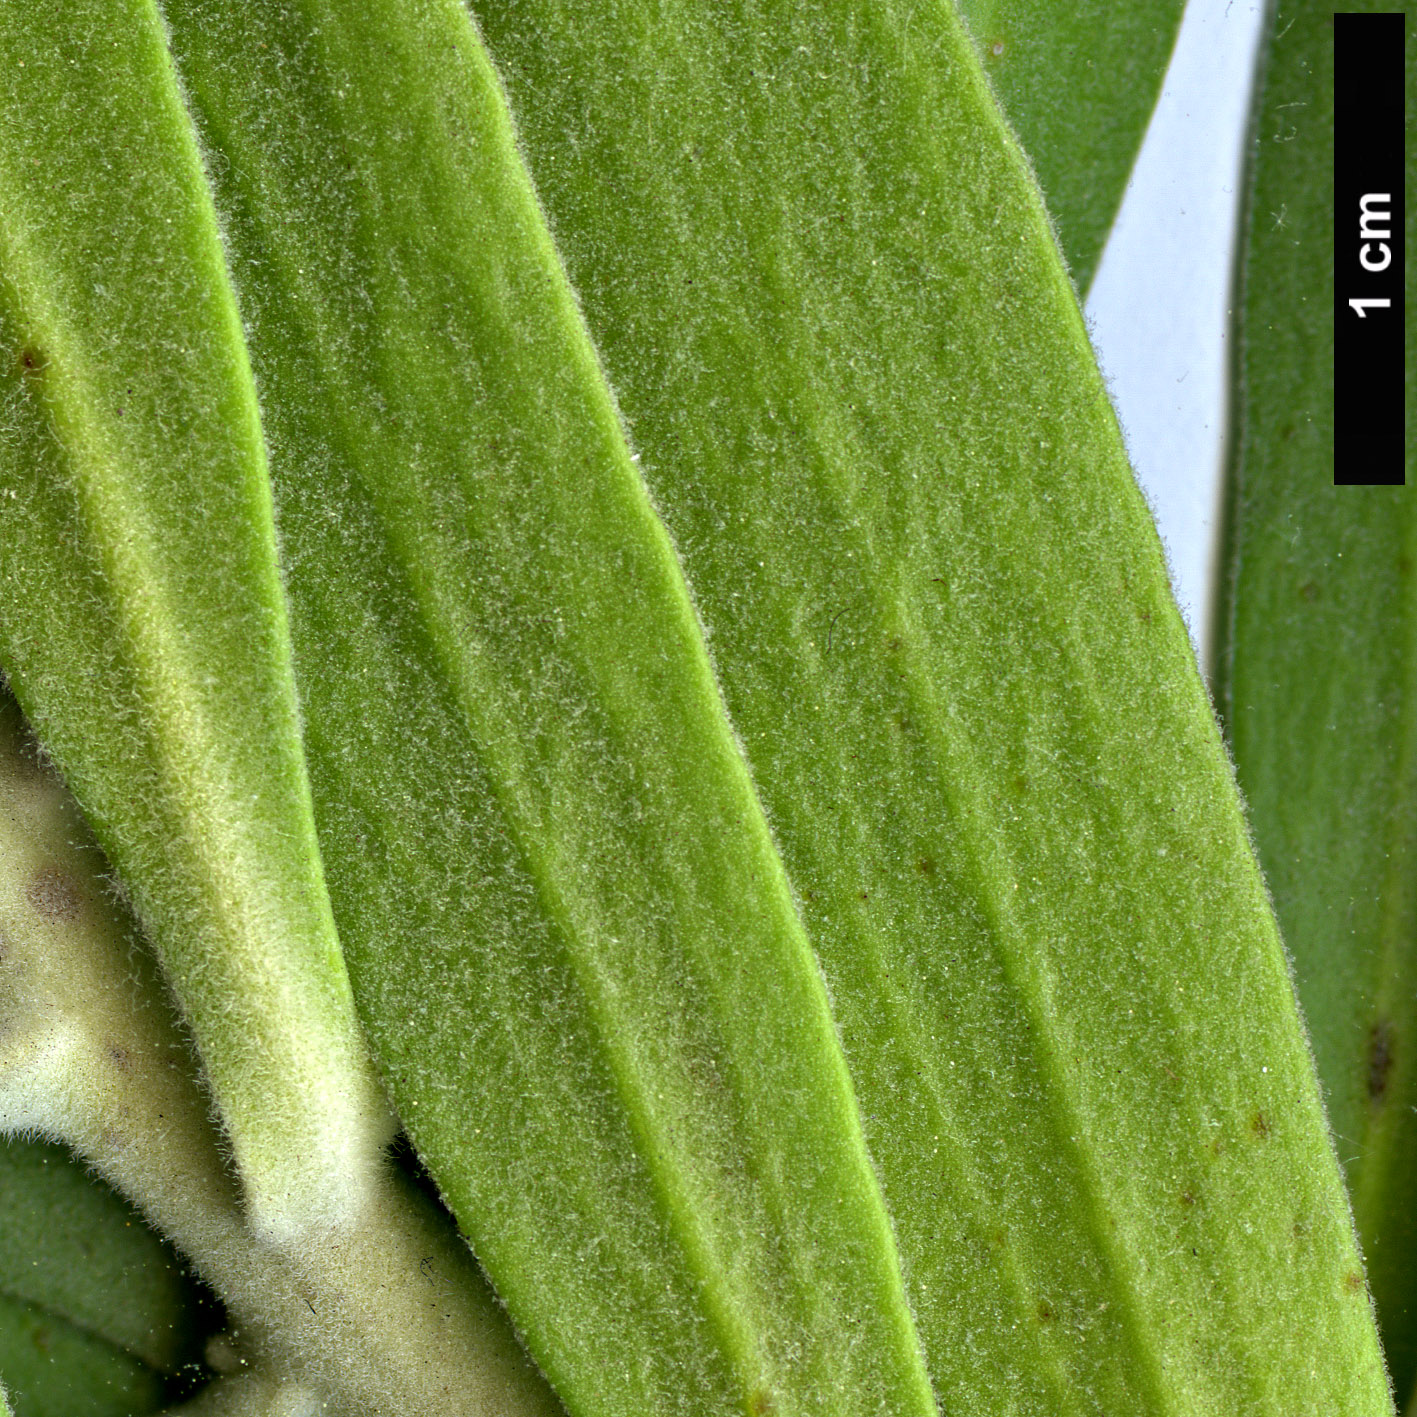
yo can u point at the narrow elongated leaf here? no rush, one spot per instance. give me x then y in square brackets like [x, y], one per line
[1078, 82]
[142, 623]
[1318, 667]
[69, 1245]
[572, 935]
[825, 293]
[57, 1369]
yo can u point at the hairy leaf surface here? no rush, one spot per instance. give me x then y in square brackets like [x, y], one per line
[141, 617]
[859, 390]
[824, 290]
[1318, 667]
[1078, 82]
[387, 1316]
[570, 934]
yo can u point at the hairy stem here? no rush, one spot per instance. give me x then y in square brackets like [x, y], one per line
[384, 1311]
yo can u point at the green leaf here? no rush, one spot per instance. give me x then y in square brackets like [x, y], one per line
[72, 1247]
[1078, 82]
[1318, 668]
[143, 629]
[543, 848]
[826, 297]
[54, 1368]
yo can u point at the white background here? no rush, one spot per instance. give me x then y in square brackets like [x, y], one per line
[1158, 308]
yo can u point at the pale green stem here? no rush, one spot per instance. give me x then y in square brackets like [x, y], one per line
[250, 1395]
[382, 1312]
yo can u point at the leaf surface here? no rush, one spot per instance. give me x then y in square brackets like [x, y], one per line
[570, 934]
[1318, 667]
[143, 626]
[1078, 82]
[825, 293]
[69, 1245]
[54, 1368]
[827, 299]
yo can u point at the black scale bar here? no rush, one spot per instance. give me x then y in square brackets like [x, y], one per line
[1369, 209]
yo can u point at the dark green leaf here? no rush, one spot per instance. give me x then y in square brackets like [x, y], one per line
[72, 1247]
[1318, 666]
[53, 1368]
[1078, 82]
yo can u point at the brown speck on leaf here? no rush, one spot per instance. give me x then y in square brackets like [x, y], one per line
[31, 360]
[41, 1339]
[1308, 591]
[1259, 1125]
[1379, 1059]
[53, 895]
[926, 865]
[1045, 1312]
[1187, 1198]
[119, 1057]
[1353, 1282]
[760, 1403]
